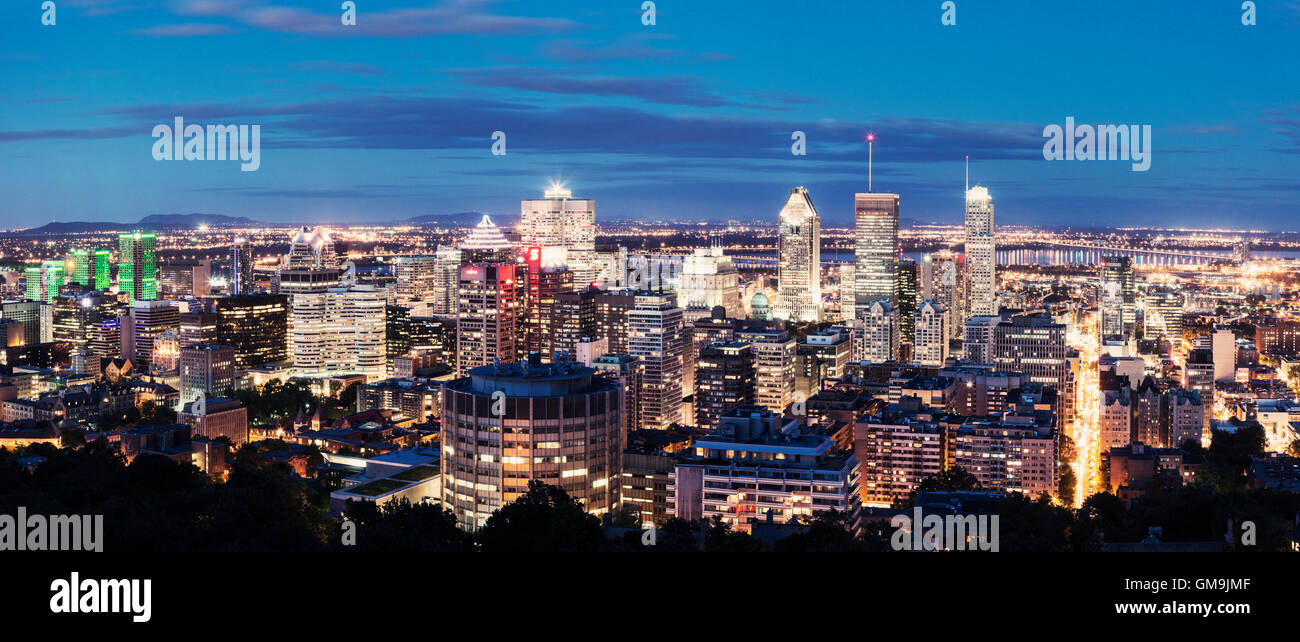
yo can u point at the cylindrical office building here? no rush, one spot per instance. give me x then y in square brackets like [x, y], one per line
[508, 424]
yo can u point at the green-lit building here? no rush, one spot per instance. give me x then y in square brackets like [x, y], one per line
[44, 281]
[137, 266]
[90, 268]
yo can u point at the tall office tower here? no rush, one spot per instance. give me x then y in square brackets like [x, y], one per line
[416, 277]
[931, 332]
[977, 338]
[821, 356]
[799, 259]
[612, 309]
[1198, 376]
[559, 220]
[81, 267]
[206, 371]
[311, 266]
[100, 272]
[106, 338]
[397, 332]
[875, 224]
[486, 244]
[724, 379]
[716, 328]
[942, 279]
[560, 424]
[75, 315]
[43, 282]
[880, 332]
[1164, 314]
[547, 278]
[654, 335]
[436, 336]
[1035, 345]
[847, 299]
[150, 319]
[627, 371]
[775, 358]
[446, 273]
[184, 277]
[241, 267]
[487, 318]
[575, 316]
[137, 266]
[981, 245]
[340, 331]
[908, 298]
[710, 279]
[1117, 298]
[255, 325]
[36, 317]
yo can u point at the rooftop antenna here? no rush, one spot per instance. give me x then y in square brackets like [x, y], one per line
[968, 172]
[871, 138]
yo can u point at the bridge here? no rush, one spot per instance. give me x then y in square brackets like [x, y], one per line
[1063, 253]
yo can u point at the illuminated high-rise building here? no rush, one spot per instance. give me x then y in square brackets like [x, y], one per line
[488, 311]
[709, 279]
[547, 277]
[241, 267]
[102, 274]
[446, 274]
[340, 331]
[931, 334]
[1117, 298]
[875, 225]
[81, 267]
[775, 359]
[908, 298]
[798, 277]
[486, 244]
[655, 336]
[506, 425]
[254, 325]
[1164, 314]
[44, 281]
[942, 280]
[137, 266]
[880, 332]
[982, 288]
[559, 220]
[149, 320]
[724, 379]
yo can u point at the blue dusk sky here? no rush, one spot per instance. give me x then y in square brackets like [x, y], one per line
[690, 118]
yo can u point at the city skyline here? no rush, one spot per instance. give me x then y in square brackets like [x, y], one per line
[677, 120]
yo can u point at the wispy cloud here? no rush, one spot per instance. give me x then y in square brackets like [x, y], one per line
[444, 18]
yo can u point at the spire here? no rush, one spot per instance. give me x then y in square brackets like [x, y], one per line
[871, 138]
[968, 172]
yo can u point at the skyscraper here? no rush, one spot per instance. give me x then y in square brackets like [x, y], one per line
[547, 277]
[880, 332]
[775, 359]
[931, 332]
[710, 279]
[875, 224]
[654, 335]
[724, 379]
[137, 266]
[487, 324]
[102, 276]
[446, 274]
[799, 259]
[81, 267]
[559, 220]
[982, 288]
[942, 280]
[908, 293]
[1117, 298]
[241, 267]
[340, 331]
[44, 281]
